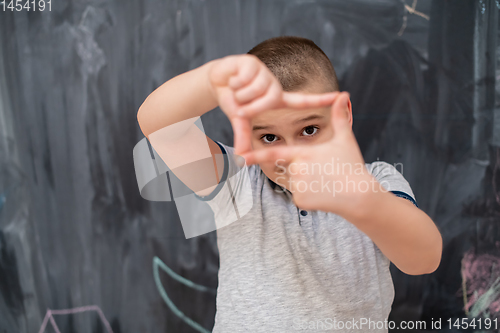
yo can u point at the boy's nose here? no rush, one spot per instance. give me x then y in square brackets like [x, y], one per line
[296, 142]
[289, 141]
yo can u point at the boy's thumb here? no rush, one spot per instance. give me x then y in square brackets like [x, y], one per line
[340, 114]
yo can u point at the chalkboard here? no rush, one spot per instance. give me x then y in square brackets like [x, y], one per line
[82, 251]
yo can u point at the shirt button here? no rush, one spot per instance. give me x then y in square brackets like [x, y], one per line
[303, 212]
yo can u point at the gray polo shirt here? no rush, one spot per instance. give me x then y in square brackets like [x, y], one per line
[286, 270]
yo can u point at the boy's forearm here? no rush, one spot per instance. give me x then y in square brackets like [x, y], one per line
[405, 234]
[185, 96]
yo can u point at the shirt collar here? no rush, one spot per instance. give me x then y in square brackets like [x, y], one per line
[274, 185]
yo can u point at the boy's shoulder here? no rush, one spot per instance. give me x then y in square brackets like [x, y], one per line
[377, 166]
[392, 179]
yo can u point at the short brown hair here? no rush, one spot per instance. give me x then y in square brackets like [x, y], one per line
[297, 62]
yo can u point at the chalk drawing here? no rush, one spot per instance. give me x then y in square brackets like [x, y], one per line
[3, 198]
[157, 263]
[49, 316]
[411, 10]
[481, 284]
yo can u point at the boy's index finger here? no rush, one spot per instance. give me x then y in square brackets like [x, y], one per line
[242, 135]
[303, 101]
[276, 155]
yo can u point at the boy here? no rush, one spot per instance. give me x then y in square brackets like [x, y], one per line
[313, 252]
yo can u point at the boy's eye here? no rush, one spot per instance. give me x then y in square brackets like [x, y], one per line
[310, 130]
[268, 138]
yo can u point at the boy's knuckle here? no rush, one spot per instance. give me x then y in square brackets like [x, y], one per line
[274, 96]
[241, 96]
[260, 88]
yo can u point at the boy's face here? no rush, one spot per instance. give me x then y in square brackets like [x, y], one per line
[291, 127]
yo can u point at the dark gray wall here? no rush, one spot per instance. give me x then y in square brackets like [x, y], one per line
[74, 230]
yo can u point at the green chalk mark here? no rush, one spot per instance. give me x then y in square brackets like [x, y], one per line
[157, 263]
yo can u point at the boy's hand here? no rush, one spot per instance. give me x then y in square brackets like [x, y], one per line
[342, 178]
[244, 86]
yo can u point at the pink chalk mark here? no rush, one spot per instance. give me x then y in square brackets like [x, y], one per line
[50, 313]
[479, 272]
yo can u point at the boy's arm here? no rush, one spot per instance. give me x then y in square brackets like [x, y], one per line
[405, 234]
[167, 118]
[188, 95]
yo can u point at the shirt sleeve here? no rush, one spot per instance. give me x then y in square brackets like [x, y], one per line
[392, 180]
[232, 198]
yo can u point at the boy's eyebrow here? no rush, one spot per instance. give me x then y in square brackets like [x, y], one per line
[311, 117]
[257, 127]
[298, 121]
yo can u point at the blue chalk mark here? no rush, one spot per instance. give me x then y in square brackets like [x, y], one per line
[3, 199]
[157, 263]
